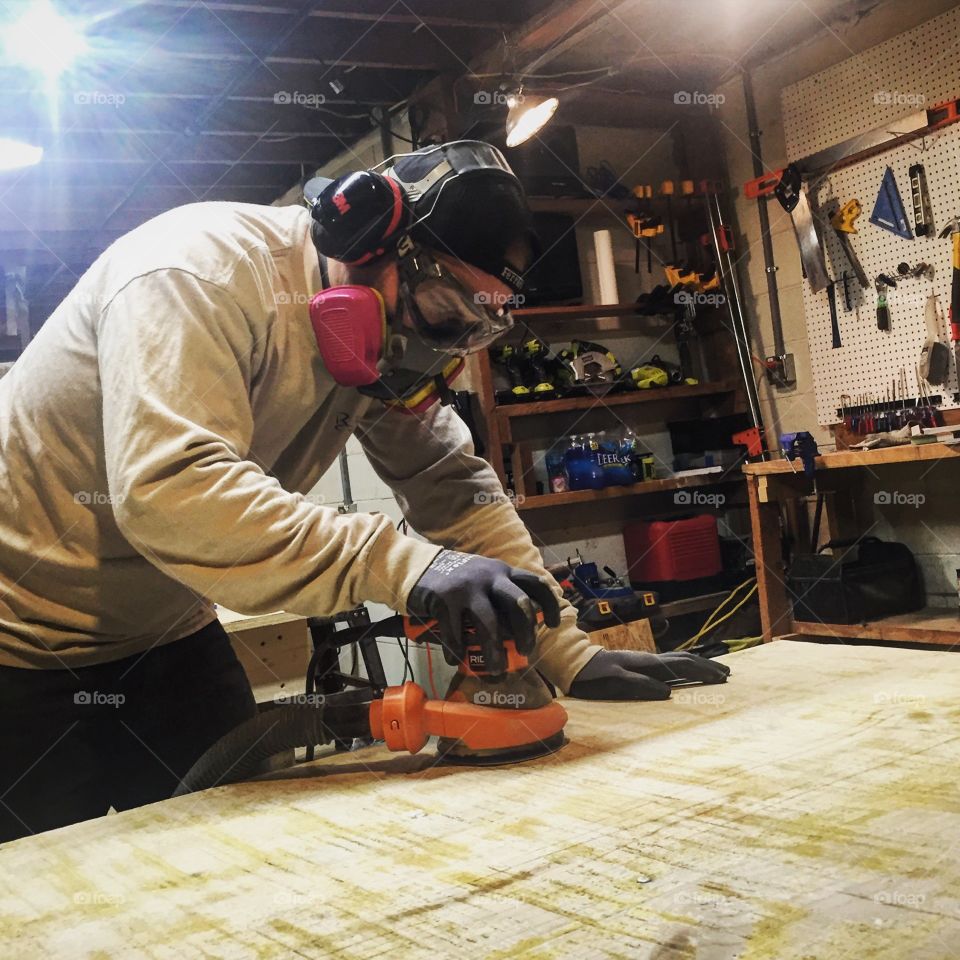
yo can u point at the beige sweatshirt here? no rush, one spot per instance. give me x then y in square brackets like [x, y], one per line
[159, 434]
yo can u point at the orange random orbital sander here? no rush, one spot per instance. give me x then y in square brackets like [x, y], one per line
[484, 719]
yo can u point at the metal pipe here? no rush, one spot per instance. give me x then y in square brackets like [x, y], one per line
[738, 321]
[348, 505]
[769, 267]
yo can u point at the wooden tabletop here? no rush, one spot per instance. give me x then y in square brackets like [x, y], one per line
[845, 459]
[809, 808]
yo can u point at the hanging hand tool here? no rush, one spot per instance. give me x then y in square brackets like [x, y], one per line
[952, 230]
[847, 302]
[834, 322]
[851, 150]
[795, 200]
[922, 216]
[883, 311]
[935, 355]
[888, 212]
[843, 220]
[920, 270]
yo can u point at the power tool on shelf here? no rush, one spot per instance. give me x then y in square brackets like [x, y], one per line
[593, 368]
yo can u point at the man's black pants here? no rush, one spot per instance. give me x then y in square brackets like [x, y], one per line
[74, 743]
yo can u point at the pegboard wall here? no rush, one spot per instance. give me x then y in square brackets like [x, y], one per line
[884, 84]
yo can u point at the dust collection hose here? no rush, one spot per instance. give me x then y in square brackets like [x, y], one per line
[240, 754]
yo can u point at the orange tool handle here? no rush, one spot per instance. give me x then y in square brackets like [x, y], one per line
[763, 185]
[405, 719]
[942, 114]
[473, 665]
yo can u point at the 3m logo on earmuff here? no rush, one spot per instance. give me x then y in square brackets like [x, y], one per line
[356, 216]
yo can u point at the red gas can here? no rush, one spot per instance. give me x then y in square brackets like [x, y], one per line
[672, 549]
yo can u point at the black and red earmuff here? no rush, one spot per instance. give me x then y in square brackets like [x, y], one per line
[356, 217]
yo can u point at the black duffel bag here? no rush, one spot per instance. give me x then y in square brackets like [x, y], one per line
[882, 581]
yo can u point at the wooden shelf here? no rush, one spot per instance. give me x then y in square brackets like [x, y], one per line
[845, 459]
[510, 411]
[935, 625]
[706, 601]
[647, 487]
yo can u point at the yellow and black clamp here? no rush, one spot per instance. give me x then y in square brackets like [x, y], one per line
[709, 281]
[668, 191]
[653, 228]
[681, 274]
[638, 216]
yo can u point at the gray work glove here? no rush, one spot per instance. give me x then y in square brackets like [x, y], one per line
[500, 600]
[631, 675]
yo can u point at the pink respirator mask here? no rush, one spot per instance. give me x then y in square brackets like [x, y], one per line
[360, 350]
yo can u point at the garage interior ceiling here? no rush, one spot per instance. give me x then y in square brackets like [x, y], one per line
[179, 101]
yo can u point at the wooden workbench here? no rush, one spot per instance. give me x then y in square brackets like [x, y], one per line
[774, 484]
[809, 808]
